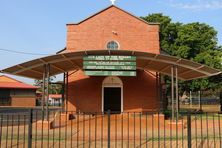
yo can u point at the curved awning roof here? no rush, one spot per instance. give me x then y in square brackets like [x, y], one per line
[70, 61]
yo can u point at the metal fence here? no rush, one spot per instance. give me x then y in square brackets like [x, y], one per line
[150, 129]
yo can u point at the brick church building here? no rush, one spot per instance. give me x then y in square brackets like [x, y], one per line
[112, 61]
[113, 29]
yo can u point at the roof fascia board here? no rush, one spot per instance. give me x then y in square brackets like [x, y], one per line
[174, 63]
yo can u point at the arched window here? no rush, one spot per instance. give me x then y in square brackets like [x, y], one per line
[112, 45]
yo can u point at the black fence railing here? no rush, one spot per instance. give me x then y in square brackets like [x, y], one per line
[128, 129]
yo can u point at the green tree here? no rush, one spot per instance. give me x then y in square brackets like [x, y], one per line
[194, 41]
[54, 88]
[168, 30]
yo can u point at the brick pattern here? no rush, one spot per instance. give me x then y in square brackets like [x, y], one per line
[139, 93]
[113, 24]
[84, 93]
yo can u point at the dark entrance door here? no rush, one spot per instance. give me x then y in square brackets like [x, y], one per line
[112, 99]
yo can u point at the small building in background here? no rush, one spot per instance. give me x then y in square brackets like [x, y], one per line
[15, 93]
[55, 99]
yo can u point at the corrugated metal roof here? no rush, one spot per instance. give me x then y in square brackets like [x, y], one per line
[69, 61]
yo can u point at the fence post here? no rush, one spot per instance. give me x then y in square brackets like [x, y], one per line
[108, 128]
[189, 130]
[30, 128]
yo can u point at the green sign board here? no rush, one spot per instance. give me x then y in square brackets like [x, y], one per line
[109, 65]
[110, 73]
[109, 58]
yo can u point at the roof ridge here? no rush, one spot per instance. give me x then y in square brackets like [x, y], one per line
[149, 23]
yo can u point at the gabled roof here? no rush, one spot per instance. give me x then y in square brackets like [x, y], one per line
[4, 78]
[149, 23]
[8, 82]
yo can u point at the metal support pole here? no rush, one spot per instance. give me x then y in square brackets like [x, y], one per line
[191, 99]
[172, 91]
[67, 81]
[177, 96]
[63, 94]
[161, 93]
[221, 101]
[43, 91]
[200, 101]
[157, 88]
[160, 105]
[47, 90]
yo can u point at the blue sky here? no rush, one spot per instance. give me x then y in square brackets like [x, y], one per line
[39, 26]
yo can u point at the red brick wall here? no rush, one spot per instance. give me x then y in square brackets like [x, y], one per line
[23, 102]
[85, 93]
[140, 92]
[132, 33]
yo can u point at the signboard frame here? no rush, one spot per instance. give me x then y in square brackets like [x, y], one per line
[109, 65]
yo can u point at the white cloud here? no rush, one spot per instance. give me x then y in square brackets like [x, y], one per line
[196, 4]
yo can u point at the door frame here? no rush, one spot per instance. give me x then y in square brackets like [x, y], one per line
[114, 86]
